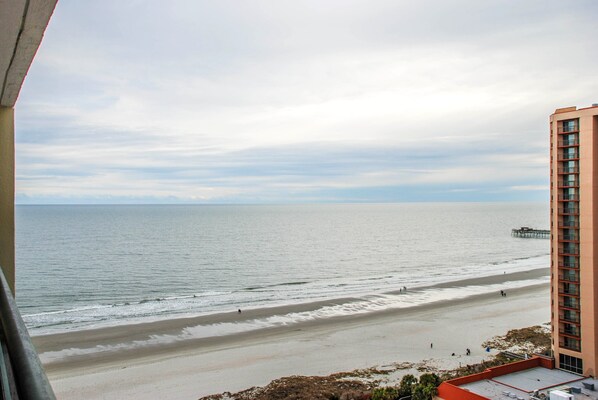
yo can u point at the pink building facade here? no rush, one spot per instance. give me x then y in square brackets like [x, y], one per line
[574, 222]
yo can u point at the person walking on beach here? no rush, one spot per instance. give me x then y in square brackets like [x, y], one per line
[431, 345]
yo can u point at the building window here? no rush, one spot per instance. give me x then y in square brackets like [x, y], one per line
[570, 329]
[570, 125]
[569, 276]
[571, 316]
[572, 364]
[570, 302]
[569, 153]
[570, 288]
[569, 262]
[571, 344]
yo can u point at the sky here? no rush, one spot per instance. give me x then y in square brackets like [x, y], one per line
[300, 101]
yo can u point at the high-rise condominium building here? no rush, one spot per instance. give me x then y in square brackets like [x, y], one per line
[574, 238]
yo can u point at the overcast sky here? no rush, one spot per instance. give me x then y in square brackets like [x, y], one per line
[300, 101]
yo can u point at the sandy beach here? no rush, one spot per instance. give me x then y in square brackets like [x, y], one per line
[138, 362]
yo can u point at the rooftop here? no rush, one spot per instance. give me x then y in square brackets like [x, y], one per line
[523, 384]
[524, 380]
[573, 108]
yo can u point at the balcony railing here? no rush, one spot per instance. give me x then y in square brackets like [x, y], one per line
[570, 292]
[23, 376]
[570, 142]
[569, 197]
[570, 332]
[569, 278]
[569, 155]
[571, 346]
[569, 304]
[569, 210]
[569, 128]
[570, 318]
[574, 250]
[568, 265]
[574, 238]
[568, 170]
[574, 183]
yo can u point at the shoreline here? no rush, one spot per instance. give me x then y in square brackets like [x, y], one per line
[263, 311]
[197, 367]
[138, 332]
[255, 361]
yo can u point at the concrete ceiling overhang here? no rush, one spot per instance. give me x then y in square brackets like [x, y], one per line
[22, 26]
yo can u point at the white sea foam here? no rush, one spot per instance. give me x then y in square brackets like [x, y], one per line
[222, 301]
[208, 303]
[367, 304]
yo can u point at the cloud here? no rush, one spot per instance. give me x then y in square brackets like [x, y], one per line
[544, 188]
[261, 100]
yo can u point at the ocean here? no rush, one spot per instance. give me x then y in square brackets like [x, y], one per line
[87, 266]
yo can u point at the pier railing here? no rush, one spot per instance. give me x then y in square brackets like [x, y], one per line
[22, 375]
[525, 232]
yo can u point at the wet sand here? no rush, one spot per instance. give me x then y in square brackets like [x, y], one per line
[192, 368]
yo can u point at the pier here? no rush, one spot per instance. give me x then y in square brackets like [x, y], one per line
[526, 232]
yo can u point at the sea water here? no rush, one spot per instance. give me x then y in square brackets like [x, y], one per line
[95, 265]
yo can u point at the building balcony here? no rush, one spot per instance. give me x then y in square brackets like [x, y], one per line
[570, 318]
[568, 143]
[571, 346]
[571, 265]
[568, 170]
[568, 197]
[573, 278]
[23, 376]
[574, 292]
[569, 251]
[568, 238]
[568, 156]
[569, 304]
[568, 225]
[576, 333]
[570, 342]
[574, 128]
[565, 184]
[569, 211]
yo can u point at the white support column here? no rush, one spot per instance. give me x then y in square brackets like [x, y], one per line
[7, 194]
